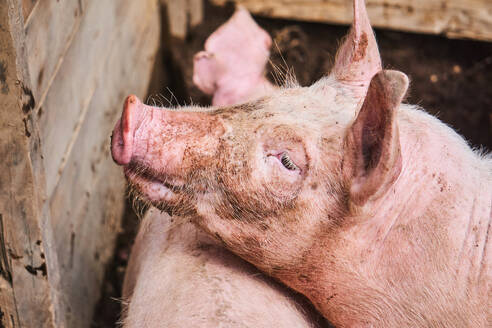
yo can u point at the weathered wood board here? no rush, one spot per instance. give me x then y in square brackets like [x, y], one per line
[452, 18]
[68, 98]
[65, 69]
[86, 204]
[27, 8]
[23, 271]
[49, 31]
[182, 14]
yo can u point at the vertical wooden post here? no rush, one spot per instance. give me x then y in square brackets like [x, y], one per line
[182, 14]
[25, 295]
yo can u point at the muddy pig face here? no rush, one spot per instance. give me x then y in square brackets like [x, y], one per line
[278, 172]
[264, 176]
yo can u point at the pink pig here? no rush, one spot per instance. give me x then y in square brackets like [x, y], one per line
[177, 276]
[232, 67]
[374, 210]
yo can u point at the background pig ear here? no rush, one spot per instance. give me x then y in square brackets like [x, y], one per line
[372, 158]
[358, 59]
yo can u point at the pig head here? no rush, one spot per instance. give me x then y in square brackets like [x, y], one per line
[232, 66]
[374, 210]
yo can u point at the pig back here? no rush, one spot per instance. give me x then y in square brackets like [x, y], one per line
[179, 277]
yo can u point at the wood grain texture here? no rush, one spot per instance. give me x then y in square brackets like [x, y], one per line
[182, 14]
[177, 17]
[25, 292]
[196, 12]
[86, 202]
[67, 100]
[453, 18]
[49, 33]
[27, 7]
[57, 230]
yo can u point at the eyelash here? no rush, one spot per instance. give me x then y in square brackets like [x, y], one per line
[287, 162]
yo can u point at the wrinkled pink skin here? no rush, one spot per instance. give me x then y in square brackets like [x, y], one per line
[384, 219]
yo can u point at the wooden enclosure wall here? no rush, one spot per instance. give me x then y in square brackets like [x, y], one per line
[65, 69]
[182, 14]
[453, 18]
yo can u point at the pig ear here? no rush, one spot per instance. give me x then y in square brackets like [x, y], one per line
[372, 158]
[358, 59]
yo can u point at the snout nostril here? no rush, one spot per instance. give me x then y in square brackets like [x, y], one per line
[122, 142]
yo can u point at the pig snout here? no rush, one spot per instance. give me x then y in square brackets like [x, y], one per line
[124, 131]
[147, 135]
[164, 150]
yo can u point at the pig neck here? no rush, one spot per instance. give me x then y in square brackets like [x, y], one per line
[427, 240]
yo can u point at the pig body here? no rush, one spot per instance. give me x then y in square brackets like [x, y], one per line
[374, 210]
[178, 276]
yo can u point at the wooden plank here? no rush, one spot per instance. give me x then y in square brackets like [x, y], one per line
[86, 242]
[94, 207]
[49, 32]
[27, 7]
[182, 14]
[67, 100]
[452, 18]
[195, 8]
[87, 202]
[177, 17]
[25, 293]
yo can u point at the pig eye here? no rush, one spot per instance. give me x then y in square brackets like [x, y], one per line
[287, 162]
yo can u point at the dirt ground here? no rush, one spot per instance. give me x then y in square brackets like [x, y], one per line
[449, 78]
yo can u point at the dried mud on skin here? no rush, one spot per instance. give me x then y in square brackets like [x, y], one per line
[449, 78]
